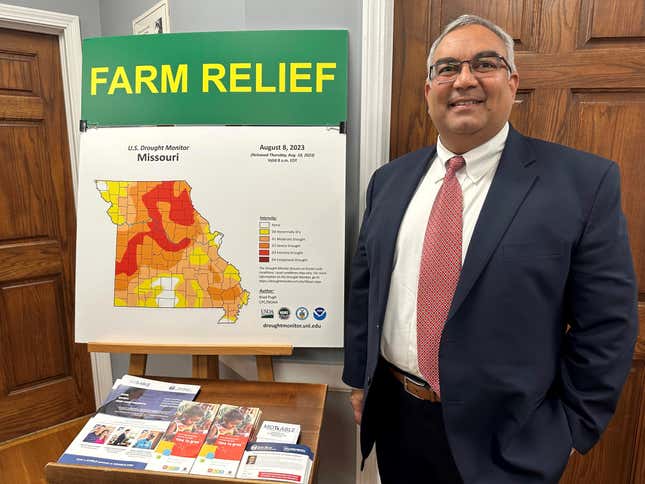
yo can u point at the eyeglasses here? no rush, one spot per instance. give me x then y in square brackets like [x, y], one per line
[445, 71]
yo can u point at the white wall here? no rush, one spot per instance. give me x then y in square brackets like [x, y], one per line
[86, 10]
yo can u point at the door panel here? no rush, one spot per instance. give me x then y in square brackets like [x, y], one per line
[603, 20]
[610, 123]
[515, 16]
[45, 378]
[32, 311]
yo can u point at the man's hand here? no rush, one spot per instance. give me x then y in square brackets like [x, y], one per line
[356, 399]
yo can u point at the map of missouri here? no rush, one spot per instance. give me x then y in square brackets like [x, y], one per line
[166, 254]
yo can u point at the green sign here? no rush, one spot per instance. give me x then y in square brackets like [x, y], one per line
[285, 77]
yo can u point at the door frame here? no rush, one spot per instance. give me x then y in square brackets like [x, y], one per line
[376, 90]
[67, 29]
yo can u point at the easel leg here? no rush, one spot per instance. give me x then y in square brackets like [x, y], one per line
[138, 364]
[265, 367]
[206, 366]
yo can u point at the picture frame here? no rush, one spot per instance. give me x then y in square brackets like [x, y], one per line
[155, 20]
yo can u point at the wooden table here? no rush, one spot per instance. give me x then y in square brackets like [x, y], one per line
[300, 403]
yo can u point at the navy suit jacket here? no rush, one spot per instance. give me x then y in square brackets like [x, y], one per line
[540, 335]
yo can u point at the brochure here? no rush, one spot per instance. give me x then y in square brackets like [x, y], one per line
[109, 441]
[138, 397]
[128, 425]
[226, 441]
[184, 437]
[276, 462]
[278, 432]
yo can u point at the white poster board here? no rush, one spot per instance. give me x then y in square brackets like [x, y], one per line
[197, 235]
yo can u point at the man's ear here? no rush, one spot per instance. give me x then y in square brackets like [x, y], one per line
[514, 82]
[426, 89]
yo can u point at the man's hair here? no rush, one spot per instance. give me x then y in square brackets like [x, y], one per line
[475, 20]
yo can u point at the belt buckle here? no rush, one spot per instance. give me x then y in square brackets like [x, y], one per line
[407, 380]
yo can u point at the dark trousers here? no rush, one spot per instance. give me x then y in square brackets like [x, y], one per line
[411, 443]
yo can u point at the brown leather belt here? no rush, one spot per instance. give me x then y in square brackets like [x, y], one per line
[414, 388]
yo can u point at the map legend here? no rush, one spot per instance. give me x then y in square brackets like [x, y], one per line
[264, 241]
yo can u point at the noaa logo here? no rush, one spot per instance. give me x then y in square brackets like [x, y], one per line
[302, 313]
[320, 314]
[284, 313]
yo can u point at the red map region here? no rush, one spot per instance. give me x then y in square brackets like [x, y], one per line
[166, 254]
[181, 212]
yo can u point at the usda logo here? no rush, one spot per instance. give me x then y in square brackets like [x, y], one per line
[302, 313]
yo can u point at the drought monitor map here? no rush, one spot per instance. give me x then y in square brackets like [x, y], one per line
[166, 254]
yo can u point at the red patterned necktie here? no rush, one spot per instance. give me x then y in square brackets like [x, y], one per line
[439, 272]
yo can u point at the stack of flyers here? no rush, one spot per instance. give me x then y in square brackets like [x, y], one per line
[184, 437]
[276, 462]
[109, 442]
[129, 424]
[138, 397]
[226, 441]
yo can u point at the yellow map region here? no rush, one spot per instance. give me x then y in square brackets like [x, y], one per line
[166, 254]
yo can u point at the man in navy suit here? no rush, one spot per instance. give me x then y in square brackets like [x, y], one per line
[492, 308]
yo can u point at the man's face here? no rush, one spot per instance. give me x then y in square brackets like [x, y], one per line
[488, 100]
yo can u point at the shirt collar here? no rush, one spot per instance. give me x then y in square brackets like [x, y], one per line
[479, 160]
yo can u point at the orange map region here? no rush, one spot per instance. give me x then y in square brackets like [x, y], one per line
[166, 254]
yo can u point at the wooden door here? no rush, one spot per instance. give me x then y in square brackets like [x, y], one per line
[582, 83]
[44, 377]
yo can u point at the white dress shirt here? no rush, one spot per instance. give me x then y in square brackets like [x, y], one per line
[399, 339]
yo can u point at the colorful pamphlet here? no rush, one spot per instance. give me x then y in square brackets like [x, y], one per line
[184, 437]
[226, 441]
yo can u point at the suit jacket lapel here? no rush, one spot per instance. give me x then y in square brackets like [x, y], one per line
[513, 179]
